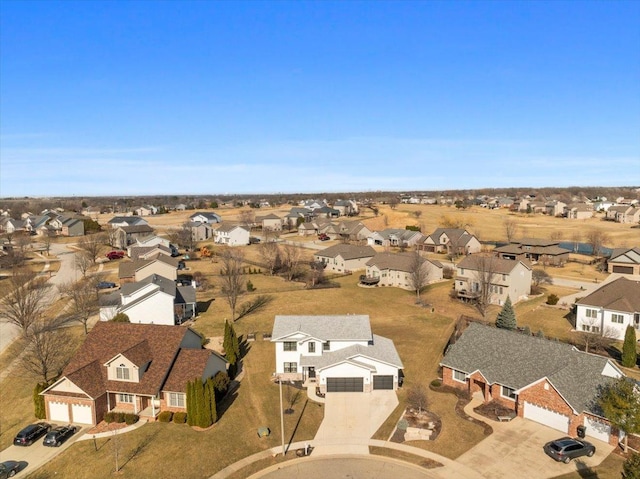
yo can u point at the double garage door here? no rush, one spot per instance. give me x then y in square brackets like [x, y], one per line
[597, 429]
[383, 382]
[623, 269]
[547, 417]
[76, 413]
[345, 385]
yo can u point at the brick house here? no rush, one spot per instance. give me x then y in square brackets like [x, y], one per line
[545, 381]
[138, 368]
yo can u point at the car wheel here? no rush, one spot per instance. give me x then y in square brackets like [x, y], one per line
[58, 444]
[566, 460]
[591, 453]
[12, 473]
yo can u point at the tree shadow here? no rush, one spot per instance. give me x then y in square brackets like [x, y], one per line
[226, 402]
[139, 449]
[585, 471]
[295, 429]
[203, 306]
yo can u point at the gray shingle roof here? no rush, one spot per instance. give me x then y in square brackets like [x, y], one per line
[347, 251]
[381, 349]
[620, 295]
[327, 328]
[516, 360]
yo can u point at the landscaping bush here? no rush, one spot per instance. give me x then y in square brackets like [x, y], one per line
[165, 416]
[250, 286]
[447, 272]
[436, 383]
[118, 417]
[553, 299]
[180, 417]
[108, 417]
[130, 419]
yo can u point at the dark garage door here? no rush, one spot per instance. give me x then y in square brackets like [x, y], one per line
[382, 382]
[623, 269]
[344, 385]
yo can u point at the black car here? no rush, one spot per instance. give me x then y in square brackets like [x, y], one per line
[31, 433]
[105, 285]
[9, 469]
[58, 435]
[566, 448]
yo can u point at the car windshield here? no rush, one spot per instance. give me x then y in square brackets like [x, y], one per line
[556, 447]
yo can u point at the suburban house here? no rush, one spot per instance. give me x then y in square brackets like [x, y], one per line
[136, 368]
[395, 269]
[161, 265]
[395, 237]
[625, 261]
[504, 278]
[451, 240]
[154, 300]
[200, 231]
[122, 221]
[343, 258]
[148, 252]
[548, 382]
[146, 210]
[346, 207]
[534, 250]
[232, 235]
[353, 231]
[610, 309]
[335, 353]
[123, 236]
[205, 217]
[270, 222]
[554, 208]
[153, 240]
[623, 214]
[579, 211]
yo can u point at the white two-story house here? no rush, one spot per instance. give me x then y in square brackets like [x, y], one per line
[232, 235]
[610, 309]
[335, 353]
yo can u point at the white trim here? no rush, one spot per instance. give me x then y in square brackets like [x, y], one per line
[453, 376]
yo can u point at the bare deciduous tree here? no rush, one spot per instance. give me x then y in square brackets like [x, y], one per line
[270, 254]
[84, 302]
[25, 304]
[576, 237]
[291, 257]
[418, 273]
[47, 352]
[510, 229]
[594, 339]
[247, 218]
[596, 239]
[112, 237]
[417, 214]
[92, 245]
[47, 239]
[417, 397]
[232, 277]
[485, 273]
[83, 262]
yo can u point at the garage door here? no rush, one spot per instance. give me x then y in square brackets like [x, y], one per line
[58, 412]
[545, 416]
[343, 385]
[81, 414]
[623, 269]
[382, 382]
[597, 429]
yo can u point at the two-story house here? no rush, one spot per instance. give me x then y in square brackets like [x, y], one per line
[335, 353]
[610, 309]
[137, 368]
[343, 258]
[504, 278]
[395, 237]
[232, 235]
[161, 265]
[451, 240]
[154, 300]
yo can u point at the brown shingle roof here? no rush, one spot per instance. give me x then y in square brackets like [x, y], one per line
[189, 365]
[497, 265]
[397, 261]
[107, 339]
[347, 251]
[620, 295]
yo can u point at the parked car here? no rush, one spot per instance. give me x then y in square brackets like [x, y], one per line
[254, 240]
[31, 433]
[58, 435]
[9, 469]
[105, 285]
[115, 255]
[324, 237]
[566, 448]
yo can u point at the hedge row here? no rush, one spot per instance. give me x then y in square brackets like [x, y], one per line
[120, 417]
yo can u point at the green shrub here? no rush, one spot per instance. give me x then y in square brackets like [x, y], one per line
[130, 419]
[118, 417]
[165, 416]
[436, 383]
[552, 299]
[180, 417]
[108, 417]
[250, 286]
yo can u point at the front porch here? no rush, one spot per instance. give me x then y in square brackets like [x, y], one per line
[146, 407]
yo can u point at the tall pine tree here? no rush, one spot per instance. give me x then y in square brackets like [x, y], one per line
[506, 318]
[191, 404]
[629, 354]
[231, 348]
[212, 404]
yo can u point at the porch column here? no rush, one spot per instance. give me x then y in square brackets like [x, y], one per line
[135, 404]
[108, 402]
[153, 406]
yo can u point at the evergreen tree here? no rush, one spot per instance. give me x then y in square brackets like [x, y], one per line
[206, 405]
[212, 403]
[191, 405]
[38, 401]
[621, 406]
[631, 467]
[201, 420]
[629, 354]
[540, 334]
[506, 318]
[231, 348]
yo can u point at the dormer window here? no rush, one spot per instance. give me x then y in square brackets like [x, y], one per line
[122, 372]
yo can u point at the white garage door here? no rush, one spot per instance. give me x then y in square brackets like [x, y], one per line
[545, 416]
[81, 414]
[597, 429]
[58, 412]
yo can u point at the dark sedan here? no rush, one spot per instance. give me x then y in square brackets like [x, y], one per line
[31, 433]
[105, 285]
[9, 469]
[566, 448]
[58, 435]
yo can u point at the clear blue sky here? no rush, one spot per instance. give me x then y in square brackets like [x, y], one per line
[133, 98]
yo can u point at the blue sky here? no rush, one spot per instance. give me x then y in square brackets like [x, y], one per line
[134, 98]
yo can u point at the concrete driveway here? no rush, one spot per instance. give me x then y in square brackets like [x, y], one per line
[515, 450]
[352, 418]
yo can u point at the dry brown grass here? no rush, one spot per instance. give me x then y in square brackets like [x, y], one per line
[610, 468]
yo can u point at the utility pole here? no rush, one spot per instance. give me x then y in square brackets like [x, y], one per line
[281, 415]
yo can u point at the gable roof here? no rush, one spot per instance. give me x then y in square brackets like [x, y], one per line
[107, 339]
[517, 360]
[189, 365]
[623, 294]
[347, 251]
[626, 255]
[497, 265]
[228, 227]
[380, 349]
[354, 327]
[397, 261]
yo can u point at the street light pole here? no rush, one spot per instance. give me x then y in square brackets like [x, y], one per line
[281, 415]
